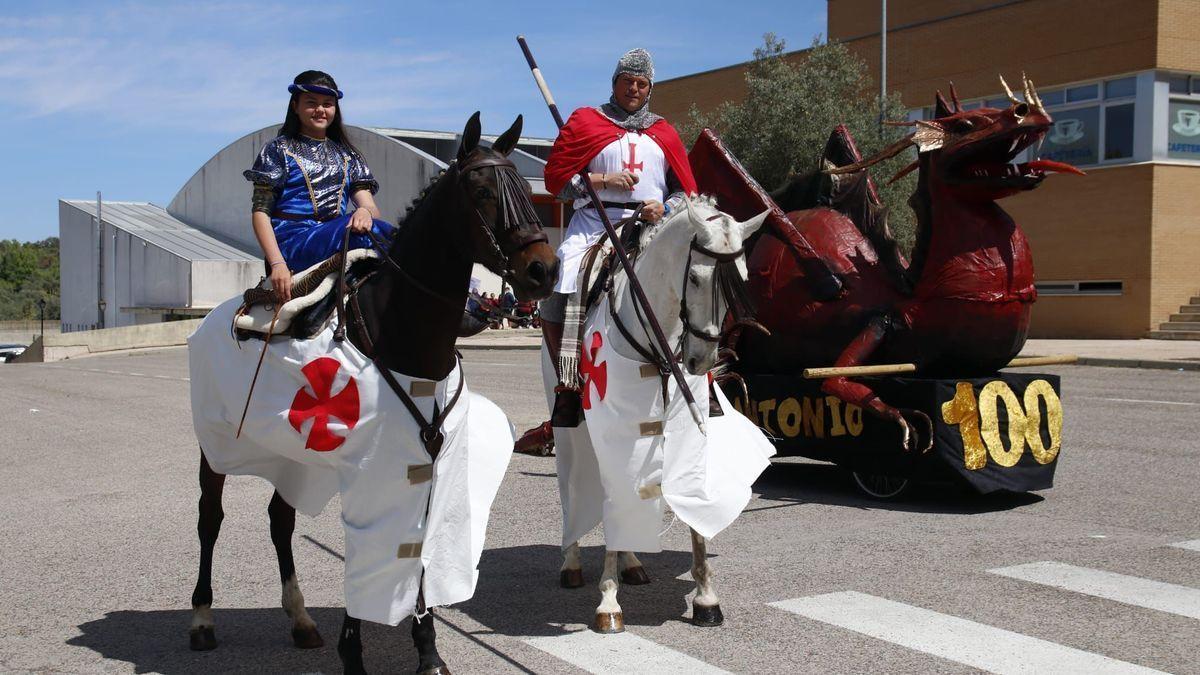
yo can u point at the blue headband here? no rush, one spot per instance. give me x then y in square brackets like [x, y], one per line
[314, 89]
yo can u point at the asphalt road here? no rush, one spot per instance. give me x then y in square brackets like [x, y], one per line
[98, 492]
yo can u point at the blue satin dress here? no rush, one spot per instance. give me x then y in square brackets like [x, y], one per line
[311, 181]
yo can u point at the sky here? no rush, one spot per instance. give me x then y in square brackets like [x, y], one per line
[131, 97]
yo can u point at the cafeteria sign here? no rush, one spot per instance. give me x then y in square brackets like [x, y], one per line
[1183, 135]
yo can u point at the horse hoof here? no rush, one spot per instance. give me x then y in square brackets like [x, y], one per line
[436, 670]
[609, 622]
[307, 638]
[202, 639]
[707, 615]
[571, 578]
[635, 576]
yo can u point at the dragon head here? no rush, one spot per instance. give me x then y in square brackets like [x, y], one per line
[970, 152]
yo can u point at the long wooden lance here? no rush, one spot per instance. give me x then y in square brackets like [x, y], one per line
[639, 295]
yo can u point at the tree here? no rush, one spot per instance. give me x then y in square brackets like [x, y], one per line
[28, 273]
[780, 128]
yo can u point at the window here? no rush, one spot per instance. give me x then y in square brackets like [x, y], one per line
[1052, 97]
[1118, 131]
[1074, 137]
[1179, 84]
[1079, 287]
[1086, 92]
[1000, 103]
[1183, 130]
[1125, 87]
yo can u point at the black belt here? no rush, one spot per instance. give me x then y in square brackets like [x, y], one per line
[615, 205]
[280, 215]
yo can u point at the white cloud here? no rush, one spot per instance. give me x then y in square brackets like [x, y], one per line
[217, 66]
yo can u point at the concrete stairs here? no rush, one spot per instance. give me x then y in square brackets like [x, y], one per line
[1182, 326]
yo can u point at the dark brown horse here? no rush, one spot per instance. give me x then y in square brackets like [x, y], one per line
[406, 316]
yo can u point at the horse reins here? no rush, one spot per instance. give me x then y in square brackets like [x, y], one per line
[727, 283]
[516, 215]
[722, 284]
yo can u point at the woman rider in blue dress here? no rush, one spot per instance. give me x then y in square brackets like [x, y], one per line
[305, 180]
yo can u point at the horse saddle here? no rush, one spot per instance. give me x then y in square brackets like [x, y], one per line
[312, 303]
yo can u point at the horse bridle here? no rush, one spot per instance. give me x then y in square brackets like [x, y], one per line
[724, 263]
[516, 211]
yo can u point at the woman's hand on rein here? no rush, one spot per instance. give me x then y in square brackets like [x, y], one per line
[281, 283]
[360, 222]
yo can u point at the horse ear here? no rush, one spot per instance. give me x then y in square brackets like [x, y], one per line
[687, 203]
[751, 226]
[470, 137]
[508, 140]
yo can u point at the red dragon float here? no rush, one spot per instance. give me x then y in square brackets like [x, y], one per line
[958, 311]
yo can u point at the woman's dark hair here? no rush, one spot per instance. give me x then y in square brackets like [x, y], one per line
[291, 121]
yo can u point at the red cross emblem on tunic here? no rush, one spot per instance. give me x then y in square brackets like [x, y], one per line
[593, 373]
[632, 164]
[322, 404]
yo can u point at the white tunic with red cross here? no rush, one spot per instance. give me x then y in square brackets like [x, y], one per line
[322, 421]
[634, 455]
[635, 152]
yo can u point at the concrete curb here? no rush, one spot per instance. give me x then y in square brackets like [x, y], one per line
[482, 347]
[1139, 363]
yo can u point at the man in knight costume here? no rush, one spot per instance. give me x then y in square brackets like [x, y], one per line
[635, 160]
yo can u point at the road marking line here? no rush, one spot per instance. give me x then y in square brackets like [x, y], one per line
[1193, 545]
[620, 653]
[1164, 597]
[950, 637]
[1138, 400]
[122, 372]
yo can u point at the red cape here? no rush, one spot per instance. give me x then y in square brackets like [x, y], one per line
[587, 132]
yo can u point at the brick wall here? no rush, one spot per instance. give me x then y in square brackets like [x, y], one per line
[1178, 26]
[1093, 228]
[1118, 223]
[1175, 252]
[1054, 41]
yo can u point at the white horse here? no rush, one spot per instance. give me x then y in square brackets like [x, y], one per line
[636, 453]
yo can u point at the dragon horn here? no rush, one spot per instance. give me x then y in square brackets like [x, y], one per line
[1037, 100]
[954, 97]
[1028, 94]
[887, 153]
[1008, 92]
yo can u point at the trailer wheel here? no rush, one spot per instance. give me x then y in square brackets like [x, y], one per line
[880, 486]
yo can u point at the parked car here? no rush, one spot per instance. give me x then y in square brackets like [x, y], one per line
[8, 352]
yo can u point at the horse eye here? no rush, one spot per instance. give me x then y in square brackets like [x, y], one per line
[483, 193]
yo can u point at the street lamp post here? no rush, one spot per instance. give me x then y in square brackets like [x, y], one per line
[882, 63]
[41, 303]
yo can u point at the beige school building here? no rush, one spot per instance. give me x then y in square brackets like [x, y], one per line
[1117, 253]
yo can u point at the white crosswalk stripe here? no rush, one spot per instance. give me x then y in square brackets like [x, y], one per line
[1193, 545]
[1172, 598]
[960, 640]
[620, 653]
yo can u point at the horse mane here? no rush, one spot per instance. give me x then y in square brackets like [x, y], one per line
[419, 206]
[648, 233]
